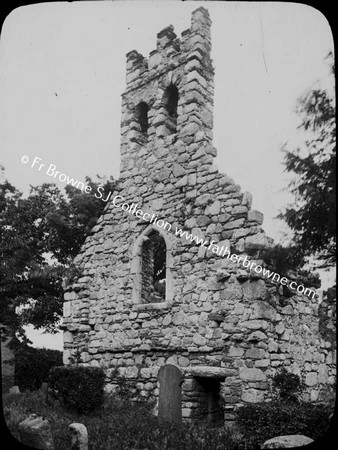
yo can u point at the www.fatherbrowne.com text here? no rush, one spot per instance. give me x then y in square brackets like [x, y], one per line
[118, 202]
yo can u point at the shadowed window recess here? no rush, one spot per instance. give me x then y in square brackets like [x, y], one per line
[153, 268]
[170, 101]
[142, 116]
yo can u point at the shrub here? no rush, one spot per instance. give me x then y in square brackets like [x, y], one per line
[32, 366]
[79, 388]
[125, 390]
[264, 421]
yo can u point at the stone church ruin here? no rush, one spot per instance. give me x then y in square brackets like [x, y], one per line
[147, 298]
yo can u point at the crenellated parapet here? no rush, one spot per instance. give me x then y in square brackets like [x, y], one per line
[169, 95]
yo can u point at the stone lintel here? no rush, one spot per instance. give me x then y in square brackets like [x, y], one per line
[151, 306]
[209, 372]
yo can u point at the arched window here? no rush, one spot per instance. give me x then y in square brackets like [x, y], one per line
[153, 268]
[170, 100]
[142, 117]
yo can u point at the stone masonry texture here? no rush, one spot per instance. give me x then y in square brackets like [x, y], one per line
[218, 320]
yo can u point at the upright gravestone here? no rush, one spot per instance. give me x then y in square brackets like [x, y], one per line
[170, 399]
[79, 436]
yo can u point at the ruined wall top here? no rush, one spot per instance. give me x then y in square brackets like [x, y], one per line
[195, 43]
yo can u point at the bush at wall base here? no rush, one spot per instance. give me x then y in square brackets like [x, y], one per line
[79, 388]
[262, 421]
[32, 366]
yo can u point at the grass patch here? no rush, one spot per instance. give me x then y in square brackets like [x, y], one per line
[118, 425]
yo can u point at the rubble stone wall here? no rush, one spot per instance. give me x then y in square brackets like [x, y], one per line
[218, 319]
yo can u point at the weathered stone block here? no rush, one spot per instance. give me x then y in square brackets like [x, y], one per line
[35, 431]
[290, 441]
[311, 379]
[213, 209]
[257, 336]
[14, 390]
[235, 351]
[233, 224]
[204, 199]
[190, 129]
[131, 372]
[255, 353]
[251, 374]
[212, 372]
[252, 396]
[280, 328]
[178, 318]
[256, 241]
[255, 216]
[262, 363]
[262, 309]
[199, 340]
[67, 337]
[255, 324]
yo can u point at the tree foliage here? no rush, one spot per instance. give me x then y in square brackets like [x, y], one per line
[313, 215]
[39, 237]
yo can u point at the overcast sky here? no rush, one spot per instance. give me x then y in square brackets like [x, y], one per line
[63, 73]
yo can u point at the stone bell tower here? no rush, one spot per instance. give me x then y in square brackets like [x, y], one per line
[168, 102]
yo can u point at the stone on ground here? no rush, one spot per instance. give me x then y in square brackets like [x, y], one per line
[294, 440]
[14, 390]
[35, 432]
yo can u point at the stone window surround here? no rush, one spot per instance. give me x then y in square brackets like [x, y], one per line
[136, 270]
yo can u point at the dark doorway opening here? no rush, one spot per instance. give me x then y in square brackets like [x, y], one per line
[209, 408]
